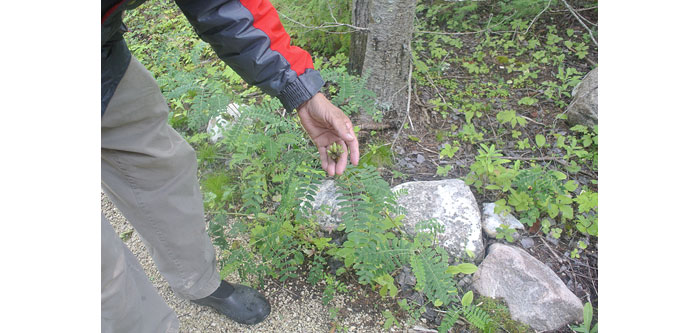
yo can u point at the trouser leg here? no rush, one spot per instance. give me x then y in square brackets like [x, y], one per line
[130, 302]
[150, 173]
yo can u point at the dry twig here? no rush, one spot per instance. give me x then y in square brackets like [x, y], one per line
[327, 25]
[578, 10]
[550, 249]
[547, 158]
[576, 15]
[439, 93]
[422, 329]
[589, 61]
[488, 28]
[538, 16]
[426, 149]
[534, 121]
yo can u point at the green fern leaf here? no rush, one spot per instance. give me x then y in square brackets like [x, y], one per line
[479, 318]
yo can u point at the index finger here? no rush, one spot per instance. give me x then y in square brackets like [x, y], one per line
[323, 155]
[354, 145]
[342, 160]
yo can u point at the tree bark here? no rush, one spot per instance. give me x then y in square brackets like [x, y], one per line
[358, 39]
[386, 52]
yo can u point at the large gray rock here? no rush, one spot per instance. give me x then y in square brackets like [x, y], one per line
[583, 109]
[491, 221]
[325, 206]
[453, 205]
[533, 292]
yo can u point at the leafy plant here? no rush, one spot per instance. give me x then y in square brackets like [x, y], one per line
[448, 150]
[476, 316]
[510, 117]
[377, 155]
[333, 286]
[442, 170]
[390, 320]
[540, 140]
[488, 169]
[506, 232]
[470, 134]
[349, 92]
[297, 16]
[585, 326]
[527, 101]
[536, 191]
[587, 219]
[218, 190]
[430, 267]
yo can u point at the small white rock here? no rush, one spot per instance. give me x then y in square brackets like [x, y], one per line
[217, 125]
[490, 220]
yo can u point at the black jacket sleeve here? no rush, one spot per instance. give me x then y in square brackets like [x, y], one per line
[248, 36]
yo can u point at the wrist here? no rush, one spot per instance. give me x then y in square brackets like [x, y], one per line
[300, 90]
[308, 102]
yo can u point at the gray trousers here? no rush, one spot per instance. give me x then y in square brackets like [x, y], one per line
[150, 174]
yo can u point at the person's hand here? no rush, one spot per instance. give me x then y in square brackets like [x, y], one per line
[327, 124]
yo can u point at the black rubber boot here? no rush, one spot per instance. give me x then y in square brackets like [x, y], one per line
[242, 304]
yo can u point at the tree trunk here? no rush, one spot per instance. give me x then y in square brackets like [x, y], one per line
[358, 39]
[387, 54]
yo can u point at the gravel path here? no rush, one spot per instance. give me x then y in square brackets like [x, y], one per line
[296, 307]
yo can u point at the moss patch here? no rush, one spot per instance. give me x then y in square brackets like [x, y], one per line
[498, 310]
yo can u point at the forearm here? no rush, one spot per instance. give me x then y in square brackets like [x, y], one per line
[249, 37]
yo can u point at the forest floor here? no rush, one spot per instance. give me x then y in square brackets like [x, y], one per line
[416, 150]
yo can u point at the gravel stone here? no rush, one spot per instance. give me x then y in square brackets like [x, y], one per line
[527, 242]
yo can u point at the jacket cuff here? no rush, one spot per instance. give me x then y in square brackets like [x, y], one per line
[301, 90]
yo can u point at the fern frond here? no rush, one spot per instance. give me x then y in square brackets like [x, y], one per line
[479, 318]
[430, 266]
[305, 187]
[216, 230]
[448, 321]
[353, 95]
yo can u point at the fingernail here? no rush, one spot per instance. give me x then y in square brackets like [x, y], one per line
[349, 136]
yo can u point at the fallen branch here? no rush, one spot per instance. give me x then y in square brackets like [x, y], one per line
[327, 25]
[538, 16]
[439, 93]
[534, 121]
[546, 158]
[578, 10]
[491, 125]
[488, 25]
[426, 149]
[558, 160]
[450, 33]
[590, 274]
[587, 20]
[590, 62]
[374, 126]
[576, 15]
[550, 249]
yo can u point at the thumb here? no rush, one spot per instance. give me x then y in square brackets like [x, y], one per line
[343, 127]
